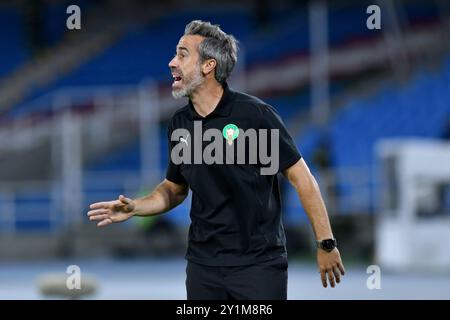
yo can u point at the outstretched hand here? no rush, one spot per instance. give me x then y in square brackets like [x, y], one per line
[111, 211]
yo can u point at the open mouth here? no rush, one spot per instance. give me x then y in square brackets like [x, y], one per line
[176, 79]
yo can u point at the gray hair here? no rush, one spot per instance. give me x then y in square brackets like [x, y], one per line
[217, 45]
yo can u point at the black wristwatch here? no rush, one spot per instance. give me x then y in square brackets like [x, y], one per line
[327, 244]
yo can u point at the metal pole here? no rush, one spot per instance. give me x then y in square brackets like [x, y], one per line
[444, 15]
[393, 37]
[240, 80]
[149, 138]
[71, 165]
[8, 211]
[319, 64]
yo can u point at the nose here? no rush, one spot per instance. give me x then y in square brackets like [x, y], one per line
[172, 63]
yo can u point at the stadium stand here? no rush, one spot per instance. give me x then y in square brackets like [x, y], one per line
[418, 108]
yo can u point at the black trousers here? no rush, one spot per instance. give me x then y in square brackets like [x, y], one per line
[262, 281]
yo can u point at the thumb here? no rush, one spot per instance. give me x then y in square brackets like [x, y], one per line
[127, 202]
[124, 200]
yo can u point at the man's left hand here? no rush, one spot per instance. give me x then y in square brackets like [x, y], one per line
[331, 266]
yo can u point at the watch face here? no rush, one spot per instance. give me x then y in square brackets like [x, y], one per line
[329, 244]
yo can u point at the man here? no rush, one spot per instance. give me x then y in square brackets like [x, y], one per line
[236, 239]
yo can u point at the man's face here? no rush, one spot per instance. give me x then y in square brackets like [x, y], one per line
[185, 66]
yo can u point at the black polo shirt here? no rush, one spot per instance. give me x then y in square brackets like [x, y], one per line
[235, 211]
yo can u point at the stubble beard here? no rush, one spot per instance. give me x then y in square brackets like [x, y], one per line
[191, 83]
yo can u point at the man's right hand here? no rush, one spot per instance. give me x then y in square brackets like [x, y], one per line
[111, 211]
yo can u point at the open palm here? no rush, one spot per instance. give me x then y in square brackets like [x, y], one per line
[111, 211]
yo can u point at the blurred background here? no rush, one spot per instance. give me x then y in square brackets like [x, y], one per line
[84, 113]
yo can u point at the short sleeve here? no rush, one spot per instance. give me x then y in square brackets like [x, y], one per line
[173, 172]
[288, 151]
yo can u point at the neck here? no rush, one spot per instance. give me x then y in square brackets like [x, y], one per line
[206, 97]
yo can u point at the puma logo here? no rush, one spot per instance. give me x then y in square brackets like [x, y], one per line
[184, 140]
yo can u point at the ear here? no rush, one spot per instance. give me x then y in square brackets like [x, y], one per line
[208, 66]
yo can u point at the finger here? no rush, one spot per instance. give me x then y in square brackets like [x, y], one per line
[124, 204]
[100, 205]
[331, 277]
[324, 278]
[104, 222]
[337, 274]
[125, 200]
[341, 268]
[99, 217]
[97, 212]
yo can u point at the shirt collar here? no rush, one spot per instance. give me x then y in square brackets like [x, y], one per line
[223, 108]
